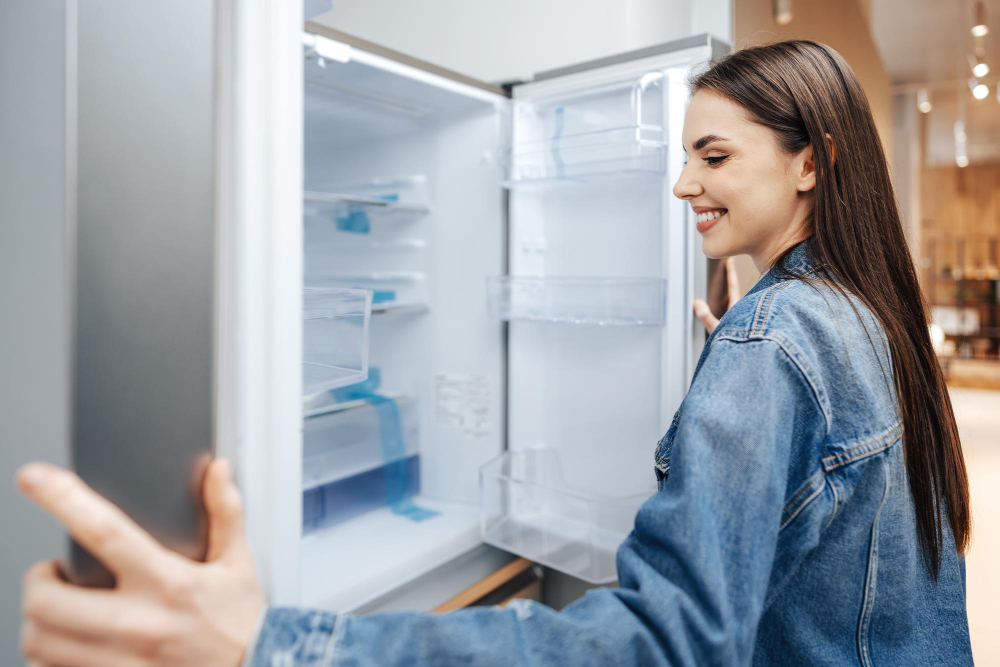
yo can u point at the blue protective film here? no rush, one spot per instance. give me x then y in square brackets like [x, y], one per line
[356, 221]
[383, 296]
[398, 477]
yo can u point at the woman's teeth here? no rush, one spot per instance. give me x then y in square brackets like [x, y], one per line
[710, 215]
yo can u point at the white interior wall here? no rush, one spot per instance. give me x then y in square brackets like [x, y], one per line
[511, 40]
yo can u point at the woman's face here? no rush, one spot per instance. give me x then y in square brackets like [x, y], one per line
[748, 195]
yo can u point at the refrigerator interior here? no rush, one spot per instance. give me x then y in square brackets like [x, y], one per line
[461, 210]
[402, 198]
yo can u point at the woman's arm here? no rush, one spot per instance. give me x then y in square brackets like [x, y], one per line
[693, 574]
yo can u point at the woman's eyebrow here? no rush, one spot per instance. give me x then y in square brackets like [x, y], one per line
[706, 140]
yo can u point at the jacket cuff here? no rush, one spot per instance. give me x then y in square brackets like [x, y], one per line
[288, 636]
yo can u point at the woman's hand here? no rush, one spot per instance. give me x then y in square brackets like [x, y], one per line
[701, 309]
[165, 609]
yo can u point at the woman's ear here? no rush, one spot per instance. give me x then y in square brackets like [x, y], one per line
[805, 170]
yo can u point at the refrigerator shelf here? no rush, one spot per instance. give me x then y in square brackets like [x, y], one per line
[528, 509]
[335, 338]
[627, 152]
[621, 302]
[392, 291]
[343, 441]
[365, 202]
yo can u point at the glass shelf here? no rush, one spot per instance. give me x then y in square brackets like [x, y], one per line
[354, 206]
[527, 508]
[614, 131]
[335, 338]
[392, 291]
[623, 302]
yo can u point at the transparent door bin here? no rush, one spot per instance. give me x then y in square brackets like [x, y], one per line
[346, 439]
[335, 338]
[609, 132]
[528, 509]
[354, 207]
[626, 302]
[392, 291]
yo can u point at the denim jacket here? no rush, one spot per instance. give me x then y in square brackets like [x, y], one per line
[783, 531]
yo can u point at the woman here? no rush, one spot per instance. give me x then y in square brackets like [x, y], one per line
[813, 503]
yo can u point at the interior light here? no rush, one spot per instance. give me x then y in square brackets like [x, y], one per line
[962, 161]
[980, 91]
[960, 132]
[979, 20]
[923, 101]
[782, 11]
[980, 70]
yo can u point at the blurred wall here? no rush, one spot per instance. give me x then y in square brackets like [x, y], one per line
[34, 376]
[843, 25]
[506, 41]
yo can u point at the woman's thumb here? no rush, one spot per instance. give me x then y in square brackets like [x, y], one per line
[703, 313]
[225, 511]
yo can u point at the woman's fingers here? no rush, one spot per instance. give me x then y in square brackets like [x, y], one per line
[99, 526]
[703, 313]
[226, 533]
[732, 282]
[51, 602]
[45, 646]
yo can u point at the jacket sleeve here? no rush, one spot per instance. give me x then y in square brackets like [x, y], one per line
[693, 574]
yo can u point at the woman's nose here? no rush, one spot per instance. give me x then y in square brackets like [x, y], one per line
[686, 187]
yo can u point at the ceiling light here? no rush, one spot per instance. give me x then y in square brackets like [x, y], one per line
[979, 20]
[978, 63]
[924, 102]
[782, 11]
[980, 91]
[961, 158]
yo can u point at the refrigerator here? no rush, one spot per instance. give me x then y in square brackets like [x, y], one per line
[449, 320]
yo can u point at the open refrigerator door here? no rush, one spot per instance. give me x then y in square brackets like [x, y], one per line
[603, 268]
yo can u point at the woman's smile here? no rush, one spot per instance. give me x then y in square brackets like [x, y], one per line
[706, 219]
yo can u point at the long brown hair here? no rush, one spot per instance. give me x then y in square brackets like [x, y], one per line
[808, 95]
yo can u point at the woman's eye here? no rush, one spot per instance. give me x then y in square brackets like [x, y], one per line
[715, 160]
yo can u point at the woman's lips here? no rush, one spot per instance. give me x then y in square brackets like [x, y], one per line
[708, 224]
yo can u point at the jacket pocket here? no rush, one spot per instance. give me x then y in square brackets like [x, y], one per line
[661, 458]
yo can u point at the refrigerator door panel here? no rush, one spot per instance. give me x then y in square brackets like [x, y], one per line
[592, 154]
[143, 385]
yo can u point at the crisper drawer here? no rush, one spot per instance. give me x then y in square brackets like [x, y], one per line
[528, 508]
[361, 456]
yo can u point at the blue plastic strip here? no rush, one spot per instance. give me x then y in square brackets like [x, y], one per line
[383, 296]
[556, 157]
[398, 481]
[356, 221]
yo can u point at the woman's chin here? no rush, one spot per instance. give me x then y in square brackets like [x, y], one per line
[716, 248]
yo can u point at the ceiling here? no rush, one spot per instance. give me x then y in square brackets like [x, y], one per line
[927, 43]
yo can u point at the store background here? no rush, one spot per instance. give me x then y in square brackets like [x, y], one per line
[897, 47]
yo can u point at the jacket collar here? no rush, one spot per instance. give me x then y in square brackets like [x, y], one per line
[798, 261]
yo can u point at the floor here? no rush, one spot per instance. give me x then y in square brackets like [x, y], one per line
[978, 415]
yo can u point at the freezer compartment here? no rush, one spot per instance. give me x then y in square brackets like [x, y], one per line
[355, 207]
[344, 439]
[335, 338]
[527, 508]
[613, 131]
[629, 302]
